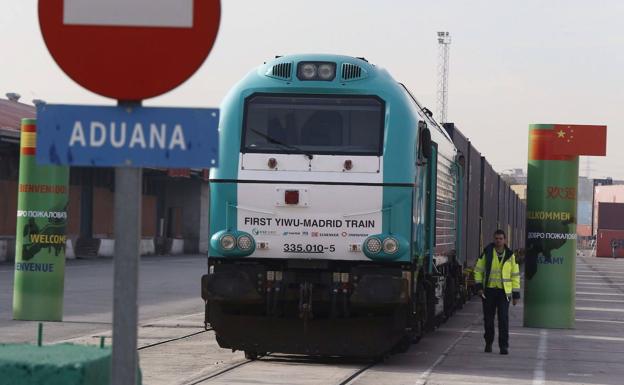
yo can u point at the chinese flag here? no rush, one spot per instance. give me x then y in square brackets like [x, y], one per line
[571, 139]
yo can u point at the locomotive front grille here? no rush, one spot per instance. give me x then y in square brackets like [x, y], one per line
[282, 70]
[351, 71]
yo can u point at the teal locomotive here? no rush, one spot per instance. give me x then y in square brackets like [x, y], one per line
[334, 213]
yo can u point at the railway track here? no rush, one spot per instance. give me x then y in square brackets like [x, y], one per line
[278, 363]
[219, 372]
[336, 371]
[223, 367]
[173, 339]
[358, 373]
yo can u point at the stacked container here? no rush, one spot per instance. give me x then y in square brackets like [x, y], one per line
[610, 230]
[608, 194]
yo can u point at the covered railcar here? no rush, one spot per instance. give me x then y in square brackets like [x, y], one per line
[473, 229]
[489, 202]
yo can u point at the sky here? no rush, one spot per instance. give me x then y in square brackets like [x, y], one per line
[512, 63]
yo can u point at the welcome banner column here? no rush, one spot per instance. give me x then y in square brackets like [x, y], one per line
[554, 149]
[40, 235]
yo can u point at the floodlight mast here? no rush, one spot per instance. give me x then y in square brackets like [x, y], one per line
[444, 42]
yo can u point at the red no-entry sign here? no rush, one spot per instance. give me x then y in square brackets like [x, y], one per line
[129, 49]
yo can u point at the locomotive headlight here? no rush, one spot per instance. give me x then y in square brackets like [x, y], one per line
[327, 71]
[313, 70]
[228, 242]
[385, 247]
[390, 245]
[307, 71]
[233, 243]
[245, 242]
[373, 245]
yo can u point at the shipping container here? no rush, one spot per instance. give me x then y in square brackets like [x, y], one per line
[511, 225]
[493, 215]
[610, 194]
[473, 233]
[463, 146]
[522, 217]
[610, 216]
[504, 205]
[583, 230]
[605, 240]
[508, 208]
[508, 213]
[500, 211]
[514, 219]
[511, 218]
[489, 202]
[523, 222]
[519, 225]
[584, 212]
[498, 196]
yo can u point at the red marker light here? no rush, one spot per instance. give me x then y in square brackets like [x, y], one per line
[291, 197]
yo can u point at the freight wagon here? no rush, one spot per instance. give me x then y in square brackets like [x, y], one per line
[490, 203]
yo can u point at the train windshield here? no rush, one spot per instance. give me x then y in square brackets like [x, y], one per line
[313, 124]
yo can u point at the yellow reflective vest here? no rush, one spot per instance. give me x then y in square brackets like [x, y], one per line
[489, 272]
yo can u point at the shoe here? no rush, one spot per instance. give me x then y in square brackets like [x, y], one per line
[488, 348]
[504, 351]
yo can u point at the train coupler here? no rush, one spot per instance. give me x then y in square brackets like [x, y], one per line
[305, 303]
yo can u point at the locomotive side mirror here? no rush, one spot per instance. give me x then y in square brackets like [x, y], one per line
[461, 161]
[425, 143]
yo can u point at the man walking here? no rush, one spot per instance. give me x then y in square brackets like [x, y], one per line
[497, 278]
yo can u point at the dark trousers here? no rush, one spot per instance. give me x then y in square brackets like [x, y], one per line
[496, 303]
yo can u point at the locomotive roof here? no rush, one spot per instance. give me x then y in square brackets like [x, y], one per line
[353, 76]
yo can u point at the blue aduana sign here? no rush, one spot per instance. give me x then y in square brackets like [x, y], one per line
[127, 136]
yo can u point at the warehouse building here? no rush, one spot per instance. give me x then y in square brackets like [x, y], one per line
[172, 207]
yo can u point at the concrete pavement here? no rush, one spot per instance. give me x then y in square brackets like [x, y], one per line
[176, 351]
[593, 353]
[168, 286]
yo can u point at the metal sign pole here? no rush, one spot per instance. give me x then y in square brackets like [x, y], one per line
[128, 182]
[183, 137]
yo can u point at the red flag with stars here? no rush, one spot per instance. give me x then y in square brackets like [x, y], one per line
[573, 139]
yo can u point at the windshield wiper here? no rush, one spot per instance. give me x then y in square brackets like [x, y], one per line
[284, 145]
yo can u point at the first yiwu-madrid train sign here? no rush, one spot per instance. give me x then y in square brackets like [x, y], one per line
[129, 50]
